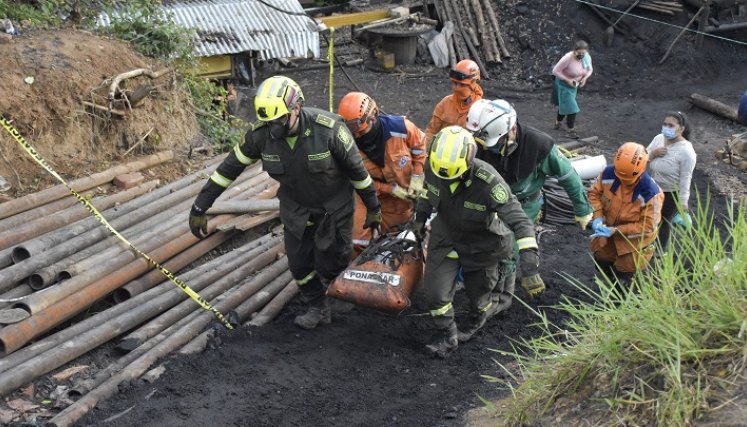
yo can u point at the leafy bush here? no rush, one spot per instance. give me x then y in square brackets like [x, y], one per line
[661, 354]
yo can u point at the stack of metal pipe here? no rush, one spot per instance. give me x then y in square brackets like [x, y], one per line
[62, 260]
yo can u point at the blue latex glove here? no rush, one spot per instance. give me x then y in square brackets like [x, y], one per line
[596, 223]
[601, 230]
[684, 221]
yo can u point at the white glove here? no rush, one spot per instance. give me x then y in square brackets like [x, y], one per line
[416, 186]
[399, 192]
[583, 221]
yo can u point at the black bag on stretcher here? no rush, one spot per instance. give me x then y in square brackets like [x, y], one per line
[384, 274]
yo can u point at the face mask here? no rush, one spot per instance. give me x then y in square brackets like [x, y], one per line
[580, 57]
[461, 92]
[669, 133]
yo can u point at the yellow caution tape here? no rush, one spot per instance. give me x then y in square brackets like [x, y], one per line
[177, 281]
[331, 57]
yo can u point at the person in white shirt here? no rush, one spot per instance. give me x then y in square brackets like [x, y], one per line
[671, 164]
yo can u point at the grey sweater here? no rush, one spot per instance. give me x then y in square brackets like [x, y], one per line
[673, 171]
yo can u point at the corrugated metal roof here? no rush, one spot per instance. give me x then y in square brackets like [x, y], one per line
[234, 26]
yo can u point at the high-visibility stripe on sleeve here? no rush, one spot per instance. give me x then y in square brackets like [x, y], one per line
[527, 243]
[452, 255]
[306, 279]
[443, 310]
[220, 179]
[486, 308]
[360, 185]
[244, 160]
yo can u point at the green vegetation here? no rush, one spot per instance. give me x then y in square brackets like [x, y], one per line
[663, 354]
[151, 33]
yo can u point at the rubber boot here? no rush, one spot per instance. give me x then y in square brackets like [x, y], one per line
[475, 321]
[444, 342]
[318, 313]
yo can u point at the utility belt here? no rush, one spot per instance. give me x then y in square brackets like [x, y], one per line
[530, 198]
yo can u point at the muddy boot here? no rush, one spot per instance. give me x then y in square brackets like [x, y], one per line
[475, 321]
[444, 342]
[319, 313]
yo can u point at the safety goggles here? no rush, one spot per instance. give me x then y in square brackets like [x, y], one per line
[359, 126]
[458, 75]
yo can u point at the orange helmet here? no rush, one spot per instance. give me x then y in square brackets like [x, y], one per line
[630, 162]
[465, 71]
[359, 111]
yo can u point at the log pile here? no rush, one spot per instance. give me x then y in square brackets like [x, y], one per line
[477, 33]
[158, 316]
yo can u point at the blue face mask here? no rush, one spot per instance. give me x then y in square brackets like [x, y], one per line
[669, 133]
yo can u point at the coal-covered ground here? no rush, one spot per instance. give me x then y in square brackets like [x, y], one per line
[368, 369]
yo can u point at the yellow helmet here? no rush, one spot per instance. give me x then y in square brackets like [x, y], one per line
[275, 97]
[452, 152]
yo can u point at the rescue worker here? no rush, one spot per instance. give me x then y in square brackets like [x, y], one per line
[525, 157]
[393, 152]
[453, 109]
[477, 219]
[312, 155]
[627, 211]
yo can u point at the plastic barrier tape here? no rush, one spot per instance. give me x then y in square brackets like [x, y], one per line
[177, 281]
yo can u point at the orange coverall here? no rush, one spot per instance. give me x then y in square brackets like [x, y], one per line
[634, 211]
[404, 156]
[449, 112]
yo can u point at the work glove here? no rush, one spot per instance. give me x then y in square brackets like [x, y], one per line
[596, 223]
[373, 221]
[400, 192]
[583, 221]
[530, 277]
[682, 220]
[198, 223]
[416, 186]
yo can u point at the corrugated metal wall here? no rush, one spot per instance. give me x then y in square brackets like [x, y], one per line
[234, 26]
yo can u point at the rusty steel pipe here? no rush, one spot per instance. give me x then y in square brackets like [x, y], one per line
[48, 209]
[21, 270]
[73, 348]
[176, 263]
[15, 336]
[273, 308]
[169, 317]
[161, 297]
[81, 261]
[245, 206]
[31, 201]
[40, 226]
[173, 342]
[264, 296]
[41, 300]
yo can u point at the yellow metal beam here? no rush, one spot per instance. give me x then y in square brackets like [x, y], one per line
[337, 21]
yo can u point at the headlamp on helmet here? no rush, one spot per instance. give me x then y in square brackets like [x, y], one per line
[452, 152]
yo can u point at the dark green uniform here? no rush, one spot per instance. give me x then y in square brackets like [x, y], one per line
[317, 174]
[526, 169]
[475, 226]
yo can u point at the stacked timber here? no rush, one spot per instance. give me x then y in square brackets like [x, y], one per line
[477, 33]
[58, 263]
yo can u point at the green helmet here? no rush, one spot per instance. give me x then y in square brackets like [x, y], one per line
[275, 97]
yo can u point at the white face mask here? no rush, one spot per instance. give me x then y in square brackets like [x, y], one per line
[669, 133]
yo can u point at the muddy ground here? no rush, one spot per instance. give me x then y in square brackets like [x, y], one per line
[367, 369]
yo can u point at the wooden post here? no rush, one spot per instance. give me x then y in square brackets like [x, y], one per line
[702, 22]
[713, 106]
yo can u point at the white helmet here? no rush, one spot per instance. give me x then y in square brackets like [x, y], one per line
[489, 121]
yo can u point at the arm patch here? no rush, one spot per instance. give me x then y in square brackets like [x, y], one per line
[499, 194]
[344, 136]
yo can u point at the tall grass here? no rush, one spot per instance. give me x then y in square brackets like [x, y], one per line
[662, 354]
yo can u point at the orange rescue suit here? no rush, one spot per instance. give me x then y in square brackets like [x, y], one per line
[451, 111]
[404, 155]
[636, 213]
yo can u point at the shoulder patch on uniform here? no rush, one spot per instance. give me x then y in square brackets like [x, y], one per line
[325, 121]
[484, 175]
[344, 136]
[499, 194]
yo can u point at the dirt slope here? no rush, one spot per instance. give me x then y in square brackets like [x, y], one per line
[44, 78]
